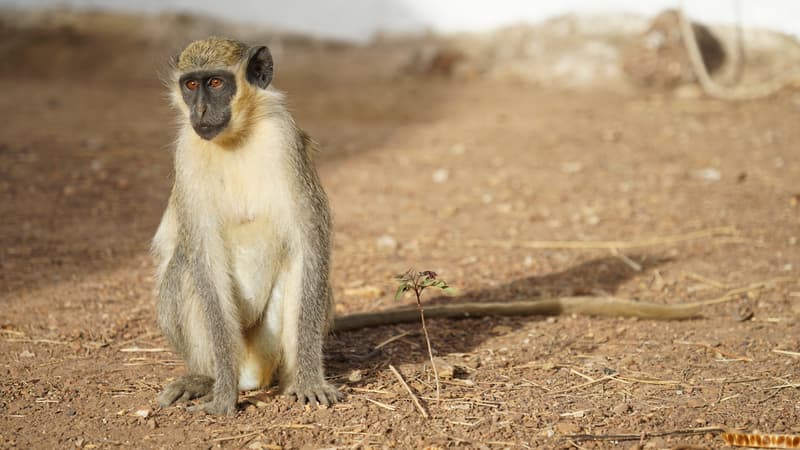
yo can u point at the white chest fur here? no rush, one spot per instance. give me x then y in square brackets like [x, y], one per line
[246, 197]
[248, 184]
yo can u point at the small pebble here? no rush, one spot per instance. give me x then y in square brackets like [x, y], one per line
[387, 242]
[441, 175]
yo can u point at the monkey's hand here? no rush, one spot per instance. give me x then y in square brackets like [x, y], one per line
[185, 388]
[315, 393]
[221, 401]
[216, 407]
[190, 387]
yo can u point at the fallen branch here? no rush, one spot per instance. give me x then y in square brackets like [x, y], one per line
[644, 435]
[586, 305]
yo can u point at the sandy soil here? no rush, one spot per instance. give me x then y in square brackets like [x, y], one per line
[464, 177]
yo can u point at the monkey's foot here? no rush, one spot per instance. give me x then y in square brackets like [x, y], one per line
[185, 388]
[314, 394]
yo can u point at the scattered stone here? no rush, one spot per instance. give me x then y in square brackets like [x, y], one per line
[707, 174]
[501, 329]
[258, 400]
[355, 376]
[743, 313]
[387, 242]
[528, 261]
[566, 428]
[441, 175]
[446, 370]
[621, 409]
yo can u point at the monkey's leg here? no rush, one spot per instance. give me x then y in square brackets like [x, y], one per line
[306, 308]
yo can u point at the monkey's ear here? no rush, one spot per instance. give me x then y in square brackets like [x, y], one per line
[259, 66]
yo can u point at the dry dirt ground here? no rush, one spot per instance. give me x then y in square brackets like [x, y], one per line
[478, 180]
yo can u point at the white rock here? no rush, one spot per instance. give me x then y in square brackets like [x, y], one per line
[386, 241]
[707, 174]
[441, 175]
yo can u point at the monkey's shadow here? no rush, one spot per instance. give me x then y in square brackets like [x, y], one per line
[347, 350]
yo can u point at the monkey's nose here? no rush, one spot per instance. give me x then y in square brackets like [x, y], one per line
[201, 110]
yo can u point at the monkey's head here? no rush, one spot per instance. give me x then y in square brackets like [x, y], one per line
[214, 84]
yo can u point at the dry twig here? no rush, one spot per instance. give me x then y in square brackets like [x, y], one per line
[381, 404]
[644, 435]
[38, 341]
[787, 352]
[728, 355]
[143, 350]
[392, 339]
[410, 392]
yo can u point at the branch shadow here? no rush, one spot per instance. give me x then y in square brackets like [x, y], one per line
[599, 276]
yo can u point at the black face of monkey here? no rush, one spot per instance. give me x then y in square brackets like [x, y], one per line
[208, 93]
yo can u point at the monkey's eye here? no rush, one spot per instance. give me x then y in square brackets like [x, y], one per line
[191, 85]
[215, 82]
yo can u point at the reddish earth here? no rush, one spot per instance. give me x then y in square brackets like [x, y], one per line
[456, 176]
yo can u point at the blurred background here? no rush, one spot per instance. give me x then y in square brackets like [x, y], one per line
[359, 20]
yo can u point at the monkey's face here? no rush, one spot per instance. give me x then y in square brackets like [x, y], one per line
[208, 95]
[216, 80]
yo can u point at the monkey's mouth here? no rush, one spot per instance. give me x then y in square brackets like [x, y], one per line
[207, 131]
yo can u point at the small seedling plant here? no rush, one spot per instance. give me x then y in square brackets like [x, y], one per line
[417, 282]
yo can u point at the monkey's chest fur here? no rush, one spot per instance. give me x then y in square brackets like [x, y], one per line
[248, 194]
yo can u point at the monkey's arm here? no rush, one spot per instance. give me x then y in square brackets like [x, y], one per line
[221, 323]
[211, 277]
[592, 306]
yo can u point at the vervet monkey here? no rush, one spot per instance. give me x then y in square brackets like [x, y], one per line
[243, 247]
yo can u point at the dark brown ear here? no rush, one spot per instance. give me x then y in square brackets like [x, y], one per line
[259, 66]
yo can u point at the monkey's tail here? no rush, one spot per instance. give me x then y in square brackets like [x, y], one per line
[591, 306]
